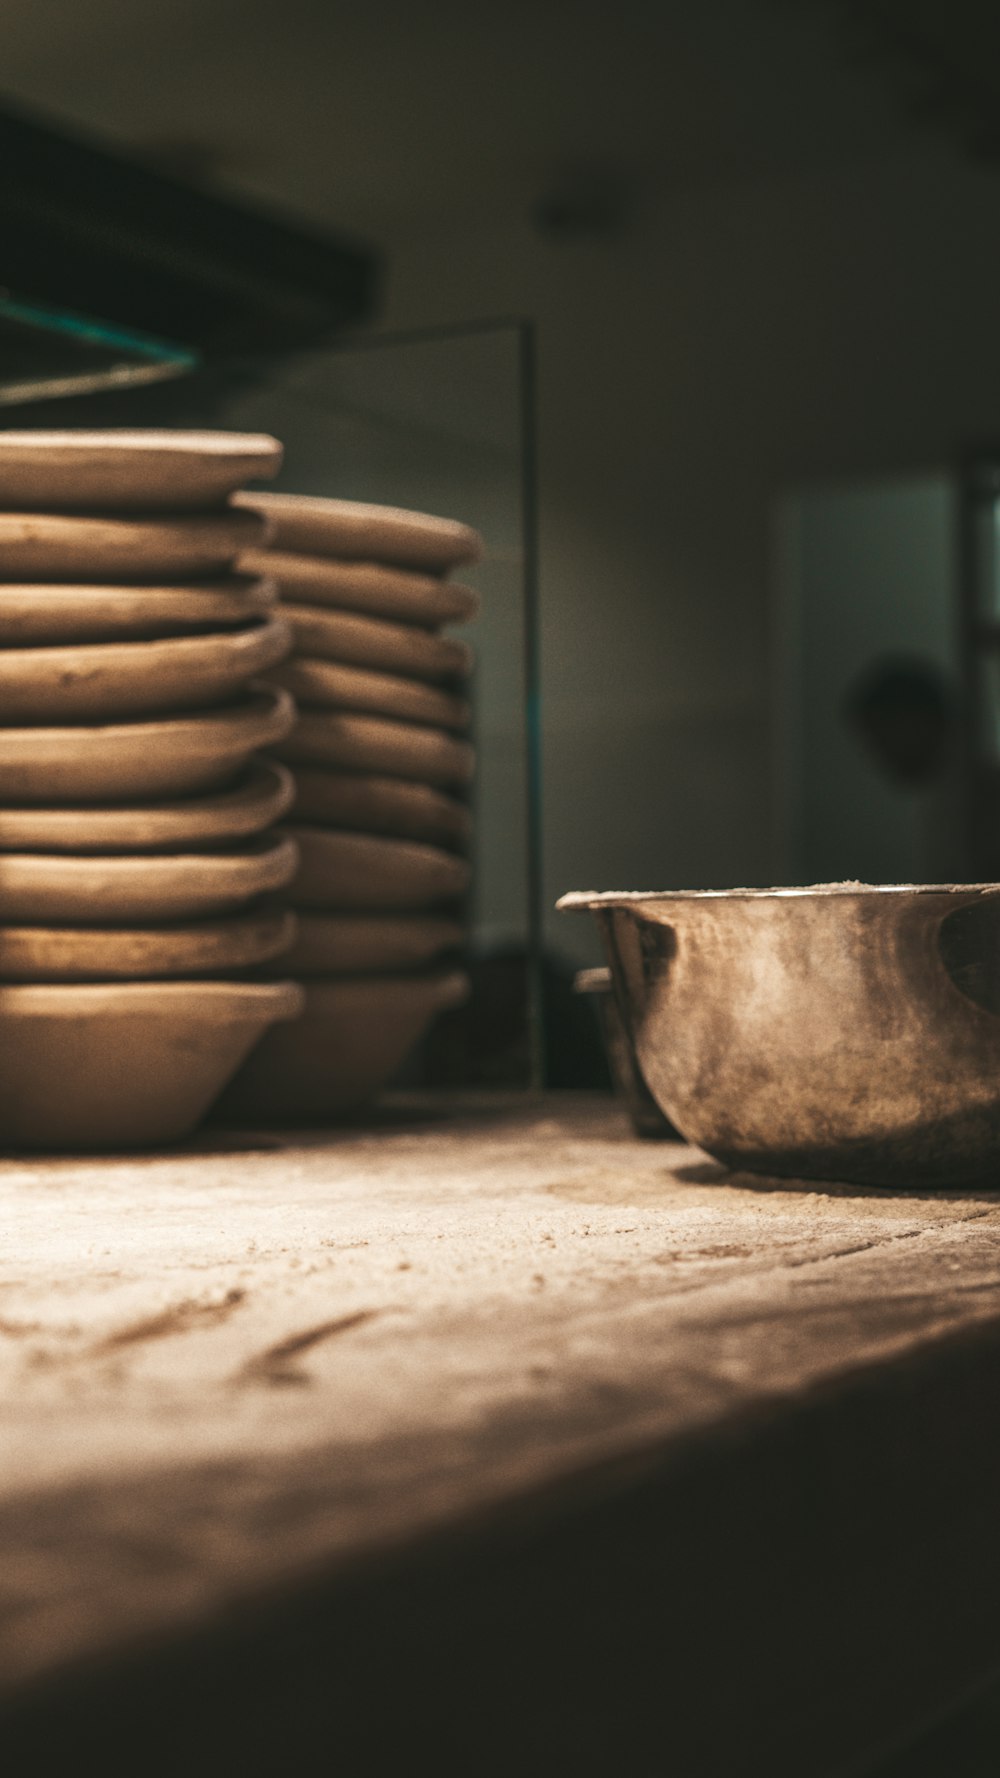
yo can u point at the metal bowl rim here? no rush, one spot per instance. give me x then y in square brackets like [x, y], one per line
[581, 899]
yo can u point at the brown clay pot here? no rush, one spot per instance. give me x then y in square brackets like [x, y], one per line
[120, 679]
[53, 889]
[364, 872]
[71, 546]
[356, 944]
[327, 685]
[373, 642]
[129, 1065]
[36, 616]
[123, 762]
[262, 795]
[116, 471]
[354, 1036]
[188, 950]
[369, 804]
[370, 587]
[356, 531]
[353, 742]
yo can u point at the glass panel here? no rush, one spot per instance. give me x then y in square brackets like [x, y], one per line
[438, 423]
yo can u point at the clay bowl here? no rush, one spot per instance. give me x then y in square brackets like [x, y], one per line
[263, 794]
[357, 531]
[366, 872]
[110, 680]
[106, 954]
[32, 615]
[841, 1032]
[328, 685]
[117, 890]
[363, 944]
[129, 1065]
[354, 1036]
[369, 587]
[350, 741]
[370, 804]
[373, 642]
[128, 761]
[120, 470]
[72, 546]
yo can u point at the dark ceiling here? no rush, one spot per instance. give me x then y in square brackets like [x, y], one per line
[399, 116]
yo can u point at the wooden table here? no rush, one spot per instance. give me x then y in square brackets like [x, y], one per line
[489, 1443]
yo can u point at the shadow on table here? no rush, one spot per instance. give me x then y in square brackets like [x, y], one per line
[710, 1172]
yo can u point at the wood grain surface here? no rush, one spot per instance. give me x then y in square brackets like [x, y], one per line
[494, 1405]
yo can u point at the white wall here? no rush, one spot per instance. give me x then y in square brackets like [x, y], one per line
[731, 342]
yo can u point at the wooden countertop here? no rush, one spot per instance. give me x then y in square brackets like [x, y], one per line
[493, 1441]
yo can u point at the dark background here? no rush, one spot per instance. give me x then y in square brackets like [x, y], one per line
[759, 242]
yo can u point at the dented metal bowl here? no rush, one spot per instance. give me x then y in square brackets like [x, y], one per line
[838, 1032]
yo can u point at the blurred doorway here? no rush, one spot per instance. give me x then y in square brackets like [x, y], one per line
[867, 687]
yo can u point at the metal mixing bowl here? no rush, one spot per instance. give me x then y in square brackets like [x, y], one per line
[840, 1032]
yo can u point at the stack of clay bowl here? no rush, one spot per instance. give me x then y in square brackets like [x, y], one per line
[380, 763]
[135, 861]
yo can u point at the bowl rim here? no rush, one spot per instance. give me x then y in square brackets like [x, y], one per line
[224, 524]
[578, 900]
[261, 626]
[212, 1002]
[125, 440]
[244, 856]
[340, 520]
[334, 618]
[384, 847]
[208, 926]
[377, 681]
[451, 600]
[231, 582]
[266, 781]
[259, 703]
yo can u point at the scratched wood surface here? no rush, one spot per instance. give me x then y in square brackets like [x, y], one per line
[226, 1365]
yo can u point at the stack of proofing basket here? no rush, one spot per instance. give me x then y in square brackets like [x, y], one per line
[380, 763]
[136, 861]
